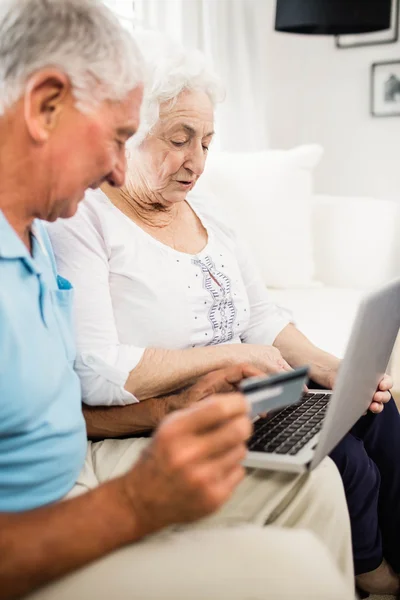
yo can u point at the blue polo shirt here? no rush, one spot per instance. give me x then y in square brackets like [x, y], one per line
[42, 430]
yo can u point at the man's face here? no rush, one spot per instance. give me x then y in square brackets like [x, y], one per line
[86, 150]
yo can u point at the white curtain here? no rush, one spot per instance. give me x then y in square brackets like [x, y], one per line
[232, 33]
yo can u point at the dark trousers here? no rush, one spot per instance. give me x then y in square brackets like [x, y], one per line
[368, 459]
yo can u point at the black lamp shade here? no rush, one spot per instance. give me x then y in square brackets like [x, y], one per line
[332, 17]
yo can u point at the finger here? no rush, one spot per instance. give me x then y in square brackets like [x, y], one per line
[224, 380]
[376, 407]
[382, 397]
[229, 483]
[386, 383]
[285, 366]
[210, 413]
[215, 383]
[279, 366]
[222, 466]
[225, 438]
[242, 371]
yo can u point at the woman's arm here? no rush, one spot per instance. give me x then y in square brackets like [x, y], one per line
[324, 367]
[271, 324]
[163, 371]
[298, 350]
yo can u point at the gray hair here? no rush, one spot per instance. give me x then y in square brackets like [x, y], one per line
[82, 38]
[169, 70]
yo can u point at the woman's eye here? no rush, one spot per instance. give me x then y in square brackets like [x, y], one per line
[120, 144]
[205, 148]
[178, 144]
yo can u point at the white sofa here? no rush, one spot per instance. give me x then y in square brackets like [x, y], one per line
[318, 254]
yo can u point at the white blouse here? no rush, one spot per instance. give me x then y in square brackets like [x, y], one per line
[133, 292]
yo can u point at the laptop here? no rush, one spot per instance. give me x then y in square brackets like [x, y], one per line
[298, 437]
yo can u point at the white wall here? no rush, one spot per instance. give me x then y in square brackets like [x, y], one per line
[320, 93]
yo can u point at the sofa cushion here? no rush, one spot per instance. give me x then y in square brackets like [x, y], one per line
[355, 241]
[324, 314]
[267, 197]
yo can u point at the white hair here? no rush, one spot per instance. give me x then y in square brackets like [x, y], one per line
[169, 70]
[82, 38]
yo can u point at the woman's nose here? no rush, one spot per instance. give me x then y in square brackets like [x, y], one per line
[196, 161]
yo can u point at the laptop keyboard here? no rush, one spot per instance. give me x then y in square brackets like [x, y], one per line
[290, 429]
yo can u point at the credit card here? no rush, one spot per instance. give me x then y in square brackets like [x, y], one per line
[265, 394]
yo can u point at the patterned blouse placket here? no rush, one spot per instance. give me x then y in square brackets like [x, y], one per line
[222, 312]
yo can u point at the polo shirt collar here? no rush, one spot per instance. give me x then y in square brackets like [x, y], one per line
[12, 247]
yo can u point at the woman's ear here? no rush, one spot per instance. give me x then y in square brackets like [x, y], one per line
[47, 94]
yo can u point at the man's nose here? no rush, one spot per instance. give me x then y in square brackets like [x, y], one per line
[116, 177]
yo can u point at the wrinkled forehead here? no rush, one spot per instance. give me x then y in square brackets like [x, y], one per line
[191, 111]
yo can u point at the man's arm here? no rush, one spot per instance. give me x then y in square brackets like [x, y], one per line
[120, 421]
[43, 544]
[189, 469]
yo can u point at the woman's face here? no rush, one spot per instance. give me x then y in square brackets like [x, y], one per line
[172, 157]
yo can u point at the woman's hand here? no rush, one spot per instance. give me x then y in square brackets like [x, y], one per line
[324, 370]
[267, 359]
[327, 378]
[382, 395]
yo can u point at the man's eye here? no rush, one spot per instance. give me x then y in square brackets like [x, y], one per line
[205, 148]
[178, 144]
[120, 144]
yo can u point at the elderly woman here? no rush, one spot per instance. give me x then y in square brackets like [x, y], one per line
[166, 292]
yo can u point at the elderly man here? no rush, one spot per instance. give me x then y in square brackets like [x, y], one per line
[70, 96]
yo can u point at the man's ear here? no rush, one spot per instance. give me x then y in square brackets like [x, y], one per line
[47, 94]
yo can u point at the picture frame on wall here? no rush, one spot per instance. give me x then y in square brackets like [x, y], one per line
[385, 89]
[387, 36]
